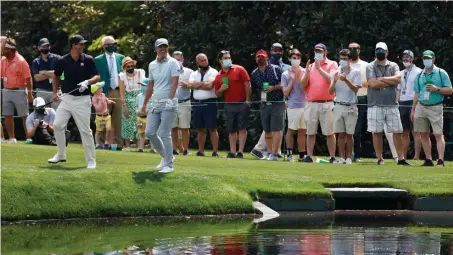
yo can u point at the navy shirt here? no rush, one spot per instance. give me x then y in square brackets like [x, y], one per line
[273, 75]
[75, 72]
[39, 64]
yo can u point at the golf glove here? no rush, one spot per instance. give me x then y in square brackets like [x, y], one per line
[83, 86]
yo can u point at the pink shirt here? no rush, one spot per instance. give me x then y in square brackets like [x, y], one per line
[317, 88]
[100, 103]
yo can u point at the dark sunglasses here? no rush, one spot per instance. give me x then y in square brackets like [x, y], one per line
[354, 48]
[129, 67]
[110, 44]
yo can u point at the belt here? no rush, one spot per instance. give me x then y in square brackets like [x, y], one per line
[361, 97]
[344, 104]
[15, 88]
[102, 115]
[184, 100]
[204, 100]
[438, 103]
[142, 116]
[321, 101]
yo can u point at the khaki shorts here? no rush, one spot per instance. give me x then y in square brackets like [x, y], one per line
[296, 118]
[319, 113]
[345, 119]
[183, 115]
[141, 125]
[426, 115]
[106, 123]
[379, 116]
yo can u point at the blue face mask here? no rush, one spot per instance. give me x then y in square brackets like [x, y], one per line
[227, 63]
[319, 56]
[427, 63]
[343, 63]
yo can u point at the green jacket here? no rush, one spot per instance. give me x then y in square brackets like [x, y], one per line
[102, 66]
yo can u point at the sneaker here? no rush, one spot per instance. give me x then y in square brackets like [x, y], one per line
[161, 165]
[200, 154]
[440, 163]
[291, 158]
[175, 152]
[57, 158]
[140, 150]
[332, 160]
[302, 159]
[396, 160]
[257, 154]
[340, 161]
[91, 165]
[3, 141]
[279, 155]
[348, 161]
[185, 153]
[128, 149]
[214, 154]
[380, 162]
[99, 147]
[12, 141]
[239, 155]
[231, 155]
[272, 157]
[428, 162]
[152, 151]
[166, 170]
[403, 163]
[358, 160]
[107, 147]
[307, 159]
[28, 141]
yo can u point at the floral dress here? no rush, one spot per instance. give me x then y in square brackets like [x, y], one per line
[132, 89]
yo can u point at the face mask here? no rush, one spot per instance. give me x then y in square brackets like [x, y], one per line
[407, 64]
[380, 56]
[276, 56]
[40, 111]
[343, 63]
[427, 63]
[227, 63]
[354, 55]
[111, 49]
[6, 53]
[295, 62]
[143, 89]
[45, 51]
[319, 56]
[203, 68]
[261, 62]
[130, 71]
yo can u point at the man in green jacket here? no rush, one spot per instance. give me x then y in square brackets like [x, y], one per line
[109, 66]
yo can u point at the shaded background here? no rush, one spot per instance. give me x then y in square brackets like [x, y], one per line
[241, 27]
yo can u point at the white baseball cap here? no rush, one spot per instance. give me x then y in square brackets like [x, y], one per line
[38, 102]
[381, 45]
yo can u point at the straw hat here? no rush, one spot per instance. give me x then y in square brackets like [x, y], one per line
[127, 60]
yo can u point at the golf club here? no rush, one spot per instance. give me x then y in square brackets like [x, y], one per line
[99, 84]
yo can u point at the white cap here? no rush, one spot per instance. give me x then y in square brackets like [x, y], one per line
[381, 45]
[39, 101]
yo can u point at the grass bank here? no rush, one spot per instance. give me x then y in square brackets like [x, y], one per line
[126, 184]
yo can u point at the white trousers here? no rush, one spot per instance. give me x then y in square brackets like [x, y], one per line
[261, 145]
[79, 107]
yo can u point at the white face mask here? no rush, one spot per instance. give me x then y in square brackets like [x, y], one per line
[319, 56]
[407, 64]
[295, 62]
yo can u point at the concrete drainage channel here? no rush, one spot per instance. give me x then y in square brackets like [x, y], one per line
[355, 199]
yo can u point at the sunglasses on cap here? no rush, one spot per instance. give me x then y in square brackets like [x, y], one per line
[380, 51]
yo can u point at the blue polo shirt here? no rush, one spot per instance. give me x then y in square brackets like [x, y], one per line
[75, 72]
[39, 64]
[273, 75]
[439, 78]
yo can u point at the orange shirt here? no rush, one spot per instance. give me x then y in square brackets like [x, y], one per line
[15, 72]
[318, 87]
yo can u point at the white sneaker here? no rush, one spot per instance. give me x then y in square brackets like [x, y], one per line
[395, 159]
[12, 141]
[57, 158]
[128, 149]
[91, 165]
[161, 164]
[348, 161]
[340, 161]
[291, 158]
[166, 170]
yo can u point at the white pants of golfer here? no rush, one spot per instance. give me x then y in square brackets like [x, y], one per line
[158, 130]
[79, 107]
[261, 145]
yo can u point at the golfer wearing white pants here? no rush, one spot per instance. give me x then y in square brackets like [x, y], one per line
[80, 71]
[163, 81]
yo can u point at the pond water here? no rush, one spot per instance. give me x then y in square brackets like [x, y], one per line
[306, 233]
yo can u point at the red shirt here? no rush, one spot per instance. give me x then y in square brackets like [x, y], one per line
[15, 72]
[237, 76]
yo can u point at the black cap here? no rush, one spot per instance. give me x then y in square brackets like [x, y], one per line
[76, 39]
[43, 41]
[320, 46]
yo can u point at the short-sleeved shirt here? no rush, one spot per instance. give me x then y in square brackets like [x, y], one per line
[280, 63]
[237, 77]
[273, 75]
[40, 64]
[439, 78]
[48, 117]
[387, 95]
[197, 76]
[162, 73]
[317, 88]
[100, 104]
[296, 97]
[406, 87]
[75, 72]
[343, 93]
[139, 100]
[183, 93]
[15, 72]
[131, 83]
[361, 65]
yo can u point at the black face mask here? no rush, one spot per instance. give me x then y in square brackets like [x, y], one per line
[130, 71]
[354, 55]
[40, 111]
[45, 51]
[380, 56]
[203, 68]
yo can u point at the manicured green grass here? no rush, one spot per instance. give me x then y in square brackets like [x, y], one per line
[126, 183]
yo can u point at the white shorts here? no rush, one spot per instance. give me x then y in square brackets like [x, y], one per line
[183, 115]
[319, 113]
[345, 119]
[296, 118]
[379, 116]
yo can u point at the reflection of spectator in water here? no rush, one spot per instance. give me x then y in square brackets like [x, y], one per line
[229, 245]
